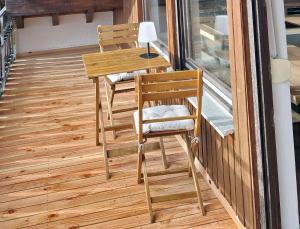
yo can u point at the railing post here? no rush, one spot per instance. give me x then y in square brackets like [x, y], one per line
[2, 54]
[7, 46]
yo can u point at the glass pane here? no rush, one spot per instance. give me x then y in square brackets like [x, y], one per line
[207, 37]
[155, 10]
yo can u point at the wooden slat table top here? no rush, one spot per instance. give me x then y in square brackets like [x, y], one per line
[294, 57]
[117, 61]
[295, 20]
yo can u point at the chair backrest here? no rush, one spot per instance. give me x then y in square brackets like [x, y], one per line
[169, 86]
[117, 35]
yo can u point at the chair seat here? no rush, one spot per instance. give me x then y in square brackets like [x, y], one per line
[115, 78]
[164, 111]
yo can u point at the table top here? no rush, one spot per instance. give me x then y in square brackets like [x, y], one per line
[294, 57]
[121, 60]
[295, 20]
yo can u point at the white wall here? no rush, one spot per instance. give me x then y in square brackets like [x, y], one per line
[39, 34]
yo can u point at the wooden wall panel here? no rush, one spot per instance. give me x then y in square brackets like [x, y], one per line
[223, 164]
[220, 167]
[243, 113]
[226, 174]
[204, 144]
[231, 155]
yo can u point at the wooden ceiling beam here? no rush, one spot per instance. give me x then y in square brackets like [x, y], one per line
[55, 19]
[89, 15]
[19, 22]
[26, 8]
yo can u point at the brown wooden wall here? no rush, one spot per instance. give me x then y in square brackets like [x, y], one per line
[247, 193]
[226, 169]
[231, 162]
[218, 157]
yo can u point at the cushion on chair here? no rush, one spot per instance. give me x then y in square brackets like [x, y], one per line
[164, 111]
[114, 78]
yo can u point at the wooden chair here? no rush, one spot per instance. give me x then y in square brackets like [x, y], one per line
[166, 120]
[118, 37]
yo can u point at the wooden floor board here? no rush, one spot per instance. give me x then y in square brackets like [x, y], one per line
[51, 173]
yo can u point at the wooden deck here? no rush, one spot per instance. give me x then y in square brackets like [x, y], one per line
[52, 174]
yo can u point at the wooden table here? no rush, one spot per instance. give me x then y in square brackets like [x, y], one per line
[111, 62]
[294, 57]
[101, 64]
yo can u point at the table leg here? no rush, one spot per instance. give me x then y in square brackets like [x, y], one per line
[102, 129]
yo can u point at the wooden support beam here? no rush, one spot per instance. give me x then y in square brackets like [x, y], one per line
[20, 22]
[55, 19]
[125, 126]
[176, 196]
[168, 172]
[131, 148]
[89, 15]
[124, 110]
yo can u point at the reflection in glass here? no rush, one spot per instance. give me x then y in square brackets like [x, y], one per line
[207, 37]
[155, 11]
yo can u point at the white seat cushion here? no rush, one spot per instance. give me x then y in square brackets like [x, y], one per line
[114, 78]
[164, 111]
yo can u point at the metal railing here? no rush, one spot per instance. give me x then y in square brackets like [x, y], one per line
[7, 46]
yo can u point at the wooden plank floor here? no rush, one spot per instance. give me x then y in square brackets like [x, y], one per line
[52, 174]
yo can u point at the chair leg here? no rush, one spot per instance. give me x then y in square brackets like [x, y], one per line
[147, 189]
[195, 176]
[189, 164]
[106, 165]
[109, 96]
[190, 169]
[163, 152]
[139, 164]
[101, 122]
[113, 91]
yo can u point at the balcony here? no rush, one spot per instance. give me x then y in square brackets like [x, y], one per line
[53, 175]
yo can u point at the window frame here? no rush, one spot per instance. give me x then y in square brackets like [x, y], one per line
[218, 89]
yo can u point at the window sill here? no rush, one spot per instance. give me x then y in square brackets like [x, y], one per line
[215, 114]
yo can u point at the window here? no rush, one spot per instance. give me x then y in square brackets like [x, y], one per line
[206, 40]
[155, 10]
